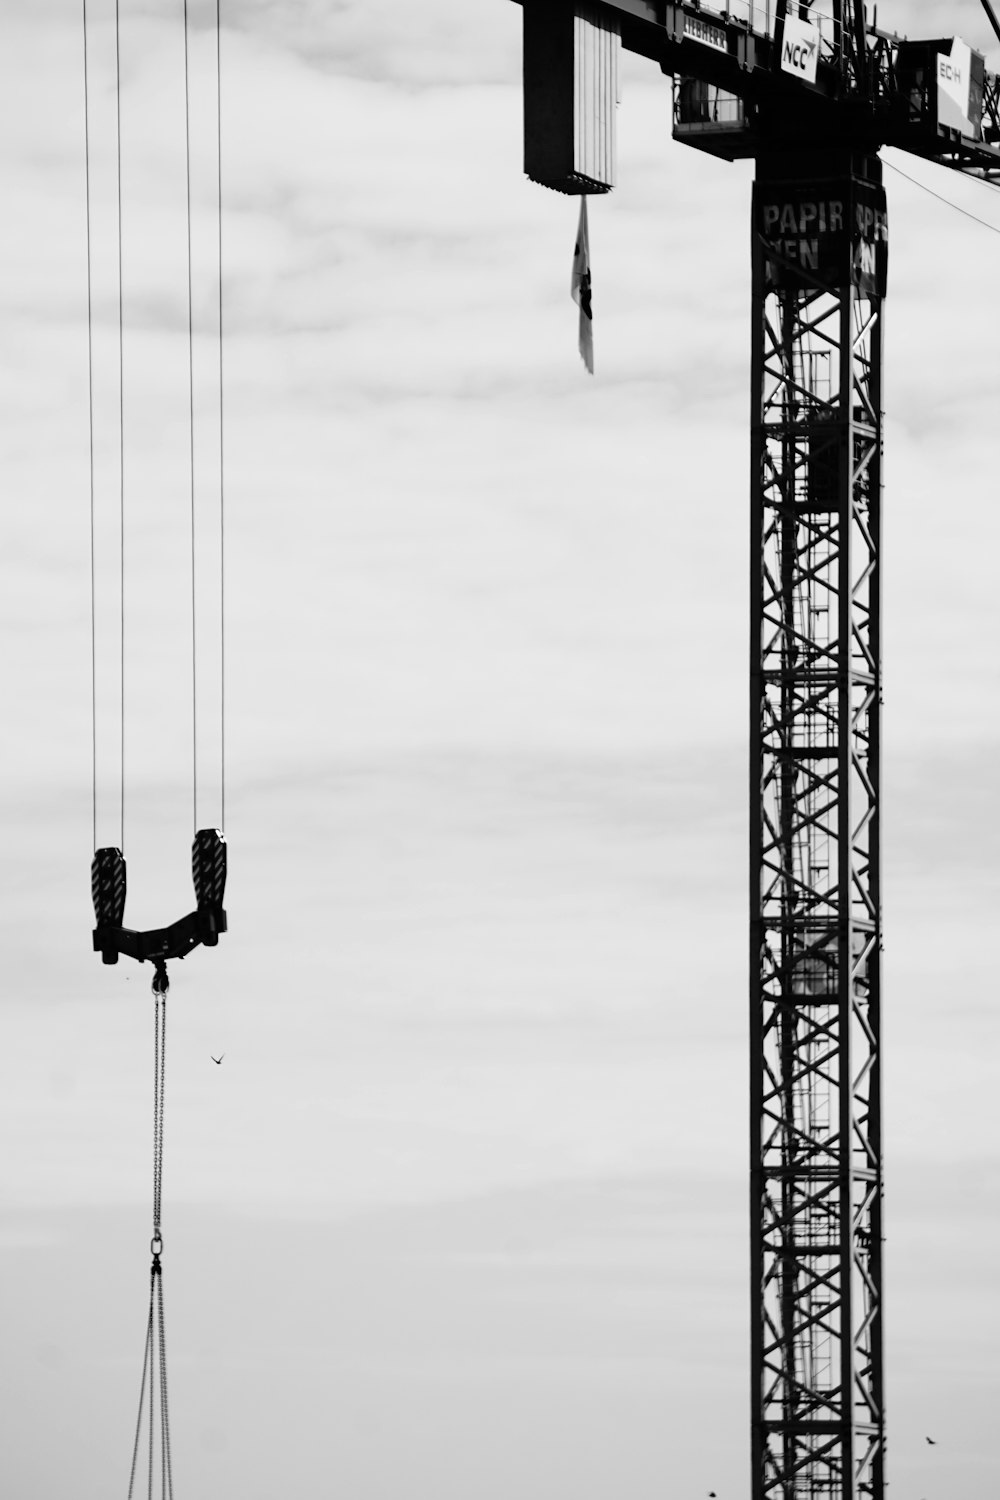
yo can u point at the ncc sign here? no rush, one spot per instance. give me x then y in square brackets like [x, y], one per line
[800, 49]
[830, 236]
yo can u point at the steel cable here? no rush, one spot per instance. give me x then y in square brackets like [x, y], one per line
[190, 270]
[121, 421]
[941, 199]
[222, 475]
[90, 396]
[121, 405]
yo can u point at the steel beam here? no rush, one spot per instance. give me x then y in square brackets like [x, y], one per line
[815, 940]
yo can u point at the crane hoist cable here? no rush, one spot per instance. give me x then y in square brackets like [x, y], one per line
[108, 882]
[111, 938]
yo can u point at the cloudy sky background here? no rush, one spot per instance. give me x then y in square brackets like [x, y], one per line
[463, 1213]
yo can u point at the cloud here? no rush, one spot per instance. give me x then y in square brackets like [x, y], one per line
[487, 671]
[383, 40]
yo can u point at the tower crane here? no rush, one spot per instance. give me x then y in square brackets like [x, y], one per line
[811, 91]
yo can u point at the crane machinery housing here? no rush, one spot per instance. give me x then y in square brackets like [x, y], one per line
[811, 91]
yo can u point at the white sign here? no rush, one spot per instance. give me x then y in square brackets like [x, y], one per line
[703, 31]
[800, 49]
[954, 82]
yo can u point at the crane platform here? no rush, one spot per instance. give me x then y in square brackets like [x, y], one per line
[744, 80]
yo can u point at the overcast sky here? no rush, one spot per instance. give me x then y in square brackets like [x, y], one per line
[462, 1215]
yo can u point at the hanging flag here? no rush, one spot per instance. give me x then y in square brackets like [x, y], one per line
[580, 288]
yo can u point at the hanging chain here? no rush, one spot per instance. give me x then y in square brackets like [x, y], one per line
[154, 1363]
[160, 984]
[166, 1473]
[142, 1392]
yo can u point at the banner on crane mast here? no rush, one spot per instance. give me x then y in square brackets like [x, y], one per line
[960, 80]
[831, 235]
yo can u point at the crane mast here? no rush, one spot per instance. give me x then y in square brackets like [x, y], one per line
[811, 91]
[815, 1156]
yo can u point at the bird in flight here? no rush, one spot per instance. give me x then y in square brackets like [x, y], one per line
[219, 1059]
[932, 1441]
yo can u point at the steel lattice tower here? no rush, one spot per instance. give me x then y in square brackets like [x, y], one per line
[811, 91]
[818, 1417]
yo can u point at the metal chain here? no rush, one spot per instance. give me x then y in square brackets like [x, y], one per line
[156, 1343]
[166, 1474]
[142, 1391]
[152, 1402]
[159, 1084]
